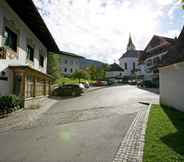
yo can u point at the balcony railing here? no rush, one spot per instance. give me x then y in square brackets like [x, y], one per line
[2, 53]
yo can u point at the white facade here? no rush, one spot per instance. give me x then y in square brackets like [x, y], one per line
[172, 86]
[129, 64]
[149, 63]
[69, 64]
[114, 74]
[10, 20]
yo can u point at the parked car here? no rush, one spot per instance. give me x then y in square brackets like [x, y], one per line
[147, 84]
[140, 83]
[69, 90]
[86, 84]
[81, 85]
[101, 83]
[110, 82]
[132, 82]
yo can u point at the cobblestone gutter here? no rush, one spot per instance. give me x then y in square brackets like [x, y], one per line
[132, 146]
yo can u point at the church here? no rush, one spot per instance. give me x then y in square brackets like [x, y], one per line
[129, 61]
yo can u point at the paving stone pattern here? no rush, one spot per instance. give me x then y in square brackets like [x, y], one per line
[132, 147]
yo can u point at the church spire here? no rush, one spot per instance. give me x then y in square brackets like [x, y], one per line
[130, 45]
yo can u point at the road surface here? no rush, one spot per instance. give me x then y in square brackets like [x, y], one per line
[88, 128]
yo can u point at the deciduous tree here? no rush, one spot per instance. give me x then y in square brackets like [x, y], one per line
[53, 65]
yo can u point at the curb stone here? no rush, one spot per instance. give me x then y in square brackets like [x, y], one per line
[132, 146]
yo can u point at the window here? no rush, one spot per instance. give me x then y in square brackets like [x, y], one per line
[30, 53]
[148, 70]
[149, 62]
[71, 70]
[125, 66]
[133, 66]
[71, 62]
[66, 61]
[65, 70]
[41, 60]
[10, 39]
[3, 73]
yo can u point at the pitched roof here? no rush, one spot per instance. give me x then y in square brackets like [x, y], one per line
[115, 67]
[175, 53]
[29, 14]
[132, 53]
[69, 54]
[157, 45]
[157, 40]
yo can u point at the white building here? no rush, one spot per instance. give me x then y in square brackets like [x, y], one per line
[172, 76]
[129, 61]
[114, 72]
[70, 63]
[24, 44]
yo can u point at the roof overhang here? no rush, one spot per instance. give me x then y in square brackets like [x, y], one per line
[29, 14]
[26, 68]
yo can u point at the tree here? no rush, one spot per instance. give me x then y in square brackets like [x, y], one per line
[53, 65]
[97, 73]
[82, 74]
[92, 72]
[182, 3]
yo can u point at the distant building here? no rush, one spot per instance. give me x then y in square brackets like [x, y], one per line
[86, 63]
[114, 72]
[172, 75]
[129, 60]
[24, 44]
[152, 57]
[70, 62]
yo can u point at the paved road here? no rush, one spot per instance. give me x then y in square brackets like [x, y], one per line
[82, 129]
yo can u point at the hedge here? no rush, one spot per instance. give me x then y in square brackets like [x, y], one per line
[10, 103]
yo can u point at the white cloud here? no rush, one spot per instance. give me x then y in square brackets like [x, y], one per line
[99, 29]
[164, 2]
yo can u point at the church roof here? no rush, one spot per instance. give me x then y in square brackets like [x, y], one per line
[132, 53]
[115, 67]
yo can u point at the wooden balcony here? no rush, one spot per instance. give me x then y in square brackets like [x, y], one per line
[7, 53]
[2, 53]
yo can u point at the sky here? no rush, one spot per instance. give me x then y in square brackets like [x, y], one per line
[99, 29]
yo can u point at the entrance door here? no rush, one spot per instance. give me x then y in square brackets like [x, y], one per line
[17, 85]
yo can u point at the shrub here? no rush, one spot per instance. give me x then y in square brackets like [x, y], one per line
[10, 103]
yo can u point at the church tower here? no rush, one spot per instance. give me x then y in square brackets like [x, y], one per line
[130, 45]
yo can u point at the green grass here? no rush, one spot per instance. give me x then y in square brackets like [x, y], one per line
[164, 141]
[66, 80]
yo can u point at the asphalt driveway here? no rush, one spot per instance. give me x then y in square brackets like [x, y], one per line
[86, 128]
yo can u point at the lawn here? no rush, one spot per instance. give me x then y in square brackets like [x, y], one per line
[65, 80]
[164, 141]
